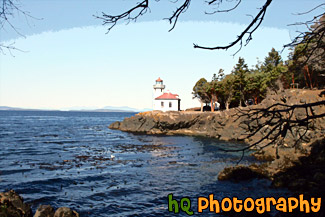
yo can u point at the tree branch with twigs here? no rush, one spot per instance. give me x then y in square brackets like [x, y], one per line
[8, 10]
[249, 30]
[312, 40]
[141, 8]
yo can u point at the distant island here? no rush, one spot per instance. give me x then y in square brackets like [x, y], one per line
[80, 109]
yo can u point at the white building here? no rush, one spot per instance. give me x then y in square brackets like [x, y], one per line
[164, 101]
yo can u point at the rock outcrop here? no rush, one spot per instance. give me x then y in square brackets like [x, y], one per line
[242, 173]
[305, 174]
[44, 211]
[65, 212]
[12, 205]
[223, 125]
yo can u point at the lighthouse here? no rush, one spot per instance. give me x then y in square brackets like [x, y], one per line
[164, 101]
[158, 88]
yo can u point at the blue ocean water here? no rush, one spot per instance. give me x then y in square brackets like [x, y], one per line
[72, 159]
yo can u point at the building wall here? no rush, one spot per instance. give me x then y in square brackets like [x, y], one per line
[157, 92]
[157, 105]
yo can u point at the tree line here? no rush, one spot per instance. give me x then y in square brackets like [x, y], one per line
[304, 68]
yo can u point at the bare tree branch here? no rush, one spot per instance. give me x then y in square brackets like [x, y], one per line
[318, 6]
[313, 40]
[8, 9]
[182, 9]
[9, 48]
[250, 29]
[111, 20]
[222, 11]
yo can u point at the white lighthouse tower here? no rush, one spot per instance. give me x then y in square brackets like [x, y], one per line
[158, 88]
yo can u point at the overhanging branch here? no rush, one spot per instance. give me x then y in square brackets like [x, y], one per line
[250, 29]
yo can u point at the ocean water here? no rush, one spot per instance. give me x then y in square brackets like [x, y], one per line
[72, 159]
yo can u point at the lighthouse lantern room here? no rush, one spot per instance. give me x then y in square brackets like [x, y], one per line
[158, 87]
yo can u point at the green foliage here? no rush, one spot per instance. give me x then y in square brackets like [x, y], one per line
[272, 60]
[199, 90]
[242, 85]
[226, 91]
[256, 86]
[273, 68]
[245, 86]
[213, 88]
[240, 73]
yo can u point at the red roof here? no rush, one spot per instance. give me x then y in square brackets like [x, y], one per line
[159, 80]
[168, 96]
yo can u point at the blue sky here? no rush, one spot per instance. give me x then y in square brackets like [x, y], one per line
[71, 62]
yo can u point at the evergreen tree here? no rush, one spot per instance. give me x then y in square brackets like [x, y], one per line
[256, 86]
[227, 91]
[240, 73]
[274, 69]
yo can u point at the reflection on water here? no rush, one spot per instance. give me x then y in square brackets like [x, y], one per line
[73, 159]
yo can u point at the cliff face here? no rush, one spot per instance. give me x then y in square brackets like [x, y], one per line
[221, 125]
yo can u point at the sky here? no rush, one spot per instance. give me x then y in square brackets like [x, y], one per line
[68, 60]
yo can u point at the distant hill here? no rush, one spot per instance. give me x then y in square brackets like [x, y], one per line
[7, 108]
[125, 108]
[81, 109]
[106, 109]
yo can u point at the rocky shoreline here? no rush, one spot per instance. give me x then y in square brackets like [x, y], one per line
[227, 126]
[224, 125]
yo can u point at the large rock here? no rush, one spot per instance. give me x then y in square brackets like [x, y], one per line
[242, 173]
[44, 211]
[65, 212]
[12, 205]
